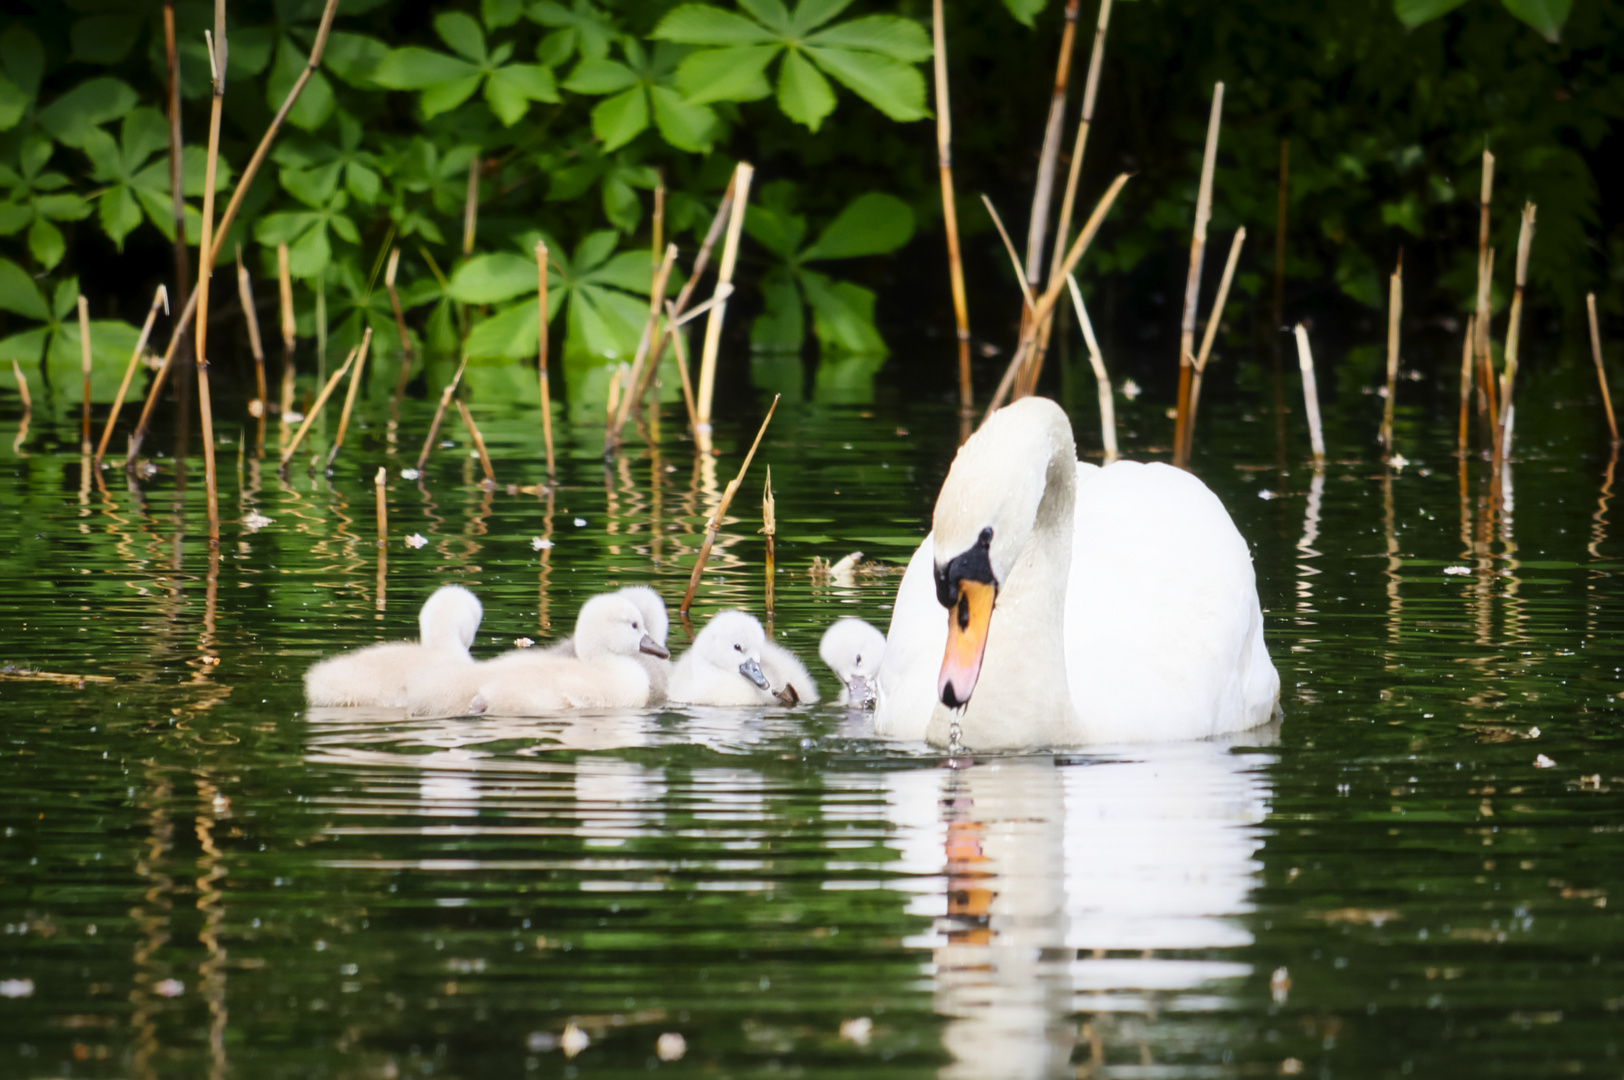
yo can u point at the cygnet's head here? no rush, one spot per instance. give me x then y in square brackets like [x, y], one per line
[732, 641]
[852, 649]
[450, 618]
[611, 625]
[655, 620]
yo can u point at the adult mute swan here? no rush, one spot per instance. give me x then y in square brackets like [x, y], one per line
[377, 675]
[731, 662]
[657, 623]
[853, 649]
[1056, 603]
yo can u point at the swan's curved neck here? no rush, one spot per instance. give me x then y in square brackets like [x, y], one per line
[1022, 698]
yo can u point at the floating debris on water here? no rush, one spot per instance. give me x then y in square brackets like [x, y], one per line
[170, 988]
[573, 1041]
[409, 474]
[1457, 571]
[256, 521]
[858, 1031]
[1280, 985]
[580, 523]
[540, 543]
[416, 540]
[670, 1046]
[1543, 762]
[1130, 389]
[522, 643]
[1265, 494]
[16, 988]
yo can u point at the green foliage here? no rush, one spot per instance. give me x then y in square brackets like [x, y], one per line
[1545, 16]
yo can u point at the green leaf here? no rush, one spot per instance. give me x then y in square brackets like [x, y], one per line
[462, 34]
[354, 57]
[65, 207]
[315, 104]
[775, 229]
[511, 89]
[842, 315]
[120, 214]
[1414, 13]
[13, 103]
[781, 327]
[894, 88]
[803, 93]
[772, 14]
[683, 125]
[362, 182]
[733, 74]
[510, 334]
[251, 50]
[582, 28]
[19, 294]
[629, 270]
[1546, 16]
[600, 77]
[620, 119]
[45, 243]
[412, 68]
[811, 14]
[22, 56]
[872, 224]
[310, 254]
[491, 279]
[71, 117]
[111, 342]
[900, 39]
[25, 348]
[1025, 11]
[105, 39]
[594, 251]
[313, 187]
[443, 97]
[500, 13]
[606, 322]
[697, 24]
[14, 216]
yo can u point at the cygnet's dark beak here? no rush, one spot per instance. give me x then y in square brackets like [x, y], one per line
[859, 694]
[752, 671]
[653, 648]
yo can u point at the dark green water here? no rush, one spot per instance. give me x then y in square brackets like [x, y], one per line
[197, 878]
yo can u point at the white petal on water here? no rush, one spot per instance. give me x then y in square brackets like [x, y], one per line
[416, 540]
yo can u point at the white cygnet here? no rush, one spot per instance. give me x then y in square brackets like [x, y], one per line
[611, 637]
[657, 623]
[378, 674]
[731, 662]
[852, 648]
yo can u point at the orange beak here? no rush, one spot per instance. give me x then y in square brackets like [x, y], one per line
[967, 622]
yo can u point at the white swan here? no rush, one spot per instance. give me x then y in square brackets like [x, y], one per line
[658, 625]
[610, 638]
[377, 675]
[1058, 603]
[853, 650]
[731, 662]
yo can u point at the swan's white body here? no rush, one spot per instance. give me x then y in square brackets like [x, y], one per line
[726, 660]
[853, 650]
[377, 675]
[657, 623]
[1127, 609]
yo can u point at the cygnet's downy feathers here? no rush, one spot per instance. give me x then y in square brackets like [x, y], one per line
[853, 649]
[731, 662]
[378, 675]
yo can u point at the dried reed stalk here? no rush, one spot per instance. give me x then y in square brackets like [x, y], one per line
[380, 484]
[1213, 320]
[470, 207]
[439, 413]
[1051, 293]
[159, 299]
[316, 407]
[22, 386]
[245, 294]
[1395, 310]
[84, 366]
[1305, 360]
[1508, 381]
[1488, 402]
[679, 352]
[1595, 352]
[950, 212]
[769, 528]
[1014, 259]
[1466, 384]
[1192, 286]
[732, 488]
[400, 320]
[350, 396]
[1049, 157]
[541, 364]
[1484, 267]
[713, 328]
[645, 344]
[206, 260]
[655, 245]
[284, 282]
[1102, 381]
[479, 442]
[177, 195]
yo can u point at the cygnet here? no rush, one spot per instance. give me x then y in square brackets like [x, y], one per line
[731, 662]
[611, 637]
[852, 649]
[657, 623]
[378, 674]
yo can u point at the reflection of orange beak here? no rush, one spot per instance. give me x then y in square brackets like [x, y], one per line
[967, 623]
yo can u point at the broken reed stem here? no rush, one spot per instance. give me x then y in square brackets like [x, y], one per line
[479, 441]
[1480, 345]
[1052, 291]
[177, 194]
[1049, 157]
[1305, 360]
[84, 365]
[439, 413]
[713, 328]
[159, 299]
[1395, 310]
[1508, 381]
[1192, 285]
[284, 282]
[769, 527]
[350, 396]
[1101, 379]
[655, 246]
[400, 320]
[316, 407]
[205, 269]
[1084, 122]
[224, 225]
[950, 212]
[645, 345]
[679, 352]
[1213, 320]
[245, 294]
[1014, 259]
[541, 354]
[732, 488]
[1595, 351]
[380, 484]
[1487, 397]
[1466, 353]
[22, 386]
[470, 208]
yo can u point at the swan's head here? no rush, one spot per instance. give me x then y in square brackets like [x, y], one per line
[984, 517]
[612, 625]
[655, 620]
[852, 649]
[449, 619]
[732, 641]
